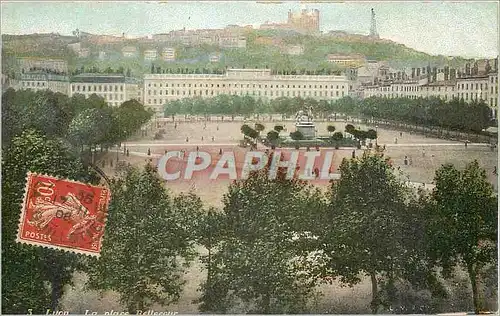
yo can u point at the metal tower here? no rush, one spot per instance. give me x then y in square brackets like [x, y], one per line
[373, 27]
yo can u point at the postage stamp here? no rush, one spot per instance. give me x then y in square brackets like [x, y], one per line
[63, 214]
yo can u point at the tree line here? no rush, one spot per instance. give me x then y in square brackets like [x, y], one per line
[454, 114]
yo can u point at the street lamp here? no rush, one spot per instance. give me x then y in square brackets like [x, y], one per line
[376, 131]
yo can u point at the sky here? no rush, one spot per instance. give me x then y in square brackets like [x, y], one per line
[459, 28]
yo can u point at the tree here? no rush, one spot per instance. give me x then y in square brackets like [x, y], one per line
[297, 135]
[141, 259]
[259, 127]
[463, 222]
[337, 136]
[278, 128]
[349, 128]
[371, 134]
[272, 136]
[263, 229]
[25, 269]
[330, 129]
[363, 232]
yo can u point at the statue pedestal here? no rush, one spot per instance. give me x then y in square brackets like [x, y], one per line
[307, 129]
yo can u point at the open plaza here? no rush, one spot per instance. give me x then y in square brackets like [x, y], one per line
[424, 155]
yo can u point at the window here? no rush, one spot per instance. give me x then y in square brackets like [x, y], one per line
[95, 88]
[100, 88]
[337, 93]
[116, 88]
[160, 92]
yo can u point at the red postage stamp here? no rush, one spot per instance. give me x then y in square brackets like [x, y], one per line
[63, 214]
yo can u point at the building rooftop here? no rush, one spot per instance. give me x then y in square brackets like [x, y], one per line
[99, 78]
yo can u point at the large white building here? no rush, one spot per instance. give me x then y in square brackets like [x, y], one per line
[43, 81]
[258, 83]
[115, 89]
[472, 88]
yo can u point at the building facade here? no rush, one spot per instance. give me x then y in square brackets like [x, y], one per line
[29, 64]
[115, 89]
[43, 81]
[257, 83]
[150, 54]
[168, 54]
[347, 60]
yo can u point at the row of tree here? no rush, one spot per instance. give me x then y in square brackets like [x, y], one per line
[454, 114]
[79, 121]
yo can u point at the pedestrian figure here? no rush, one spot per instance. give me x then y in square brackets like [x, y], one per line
[495, 170]
[410, 161]
[395, 140]
[308, 149]
[466, 143]
[220, 151]
[423, 152]
[128, 153]
[111, 162]
[165, 151]
[384, 146]
[187, 139]
[197, 148]
[400, 134]
[406, 161]
[149, 151]
[213, 138]
[175, 126]
[354, 154]
[217, 127]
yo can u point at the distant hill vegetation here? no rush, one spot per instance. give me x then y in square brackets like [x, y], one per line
[265, 48]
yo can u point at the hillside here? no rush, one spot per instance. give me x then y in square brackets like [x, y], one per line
[265, 48]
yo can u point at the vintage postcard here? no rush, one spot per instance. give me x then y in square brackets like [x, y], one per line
[249, 157]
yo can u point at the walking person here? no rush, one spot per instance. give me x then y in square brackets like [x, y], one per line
[495, 170]
[187, 139]
[128, 153]
[213, 138]
[406, 161]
